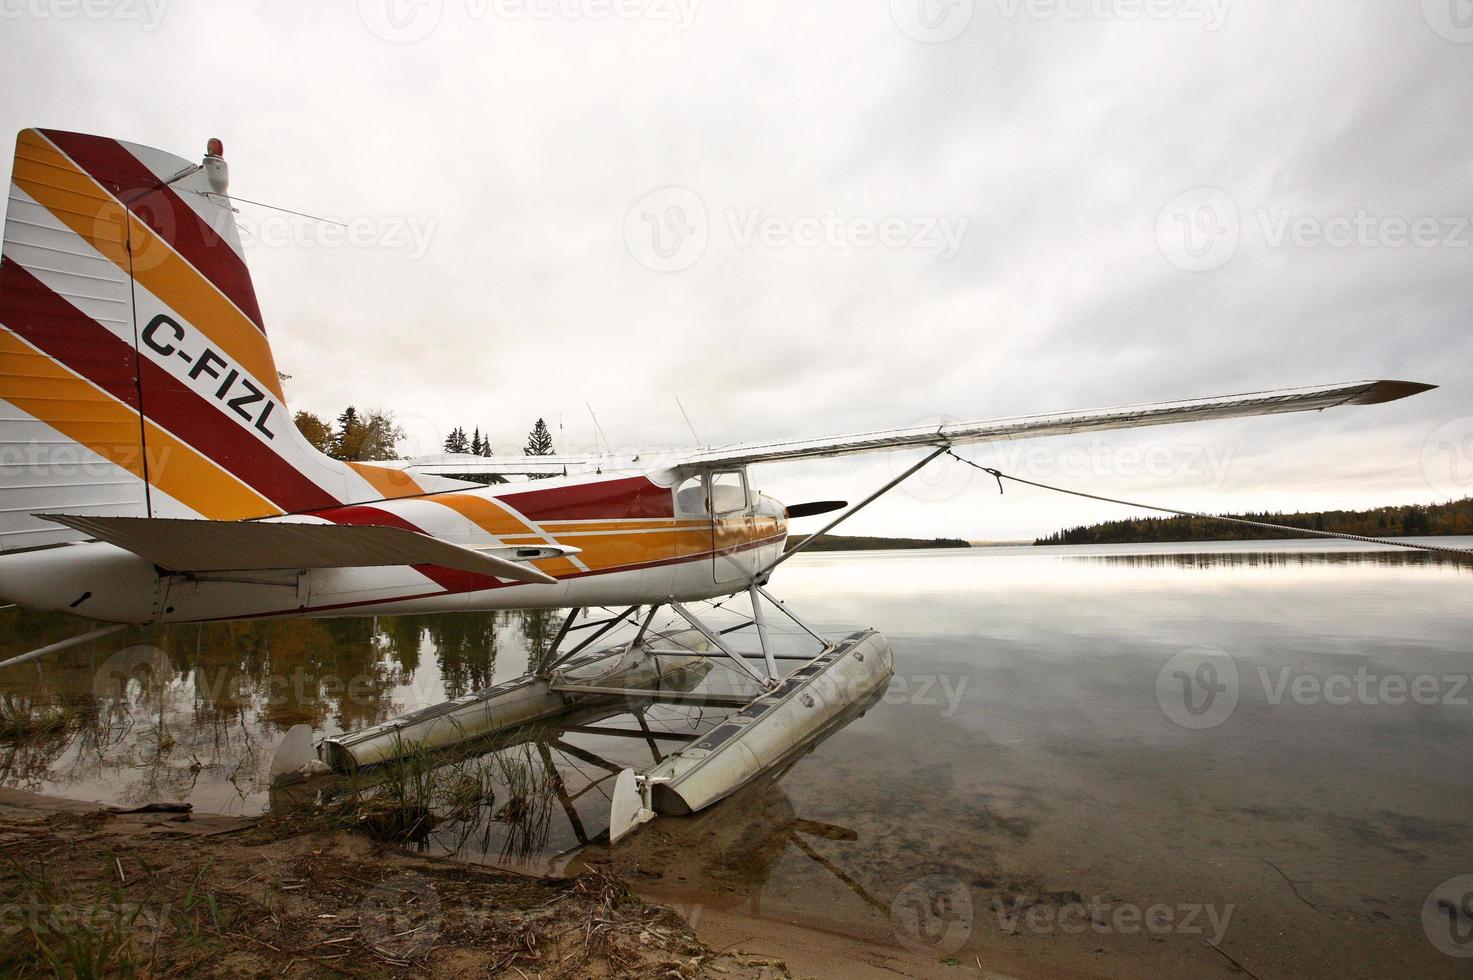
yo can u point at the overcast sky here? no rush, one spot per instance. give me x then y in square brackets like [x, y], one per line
[811, 218]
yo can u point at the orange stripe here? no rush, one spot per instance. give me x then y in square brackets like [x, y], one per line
[649, 524]
[490, 517]
[48, 391]
[389, 483]
[86, 208]
[498, 520]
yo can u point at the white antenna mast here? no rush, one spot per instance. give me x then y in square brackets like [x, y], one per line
[688, 425]
[598, 433]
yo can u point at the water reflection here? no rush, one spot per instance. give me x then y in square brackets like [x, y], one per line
[1053, 771]
[196, 711]
[1277, 559]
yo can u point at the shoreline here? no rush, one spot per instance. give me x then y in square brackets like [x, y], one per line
[168, 891]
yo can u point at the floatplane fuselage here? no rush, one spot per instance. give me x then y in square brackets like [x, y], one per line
[603, 540]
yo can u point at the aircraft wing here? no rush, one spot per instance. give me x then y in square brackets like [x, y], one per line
[1063, 423]
[180, 545]
[464, 464]
[948, 434]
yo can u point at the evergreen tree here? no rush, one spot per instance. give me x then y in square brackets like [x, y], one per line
[455, 442]
[371, 437]
[539, 441]
[348, 434]
[478, 448]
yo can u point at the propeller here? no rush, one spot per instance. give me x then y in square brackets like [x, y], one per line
[815, 508]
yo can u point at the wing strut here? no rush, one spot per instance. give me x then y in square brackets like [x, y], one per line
[762, 575]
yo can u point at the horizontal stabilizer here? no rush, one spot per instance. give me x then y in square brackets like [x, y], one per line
[180, 545]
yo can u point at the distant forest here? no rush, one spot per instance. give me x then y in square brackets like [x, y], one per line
[1414, 520]
[840, 542]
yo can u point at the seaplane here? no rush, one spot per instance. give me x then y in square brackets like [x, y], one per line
[153, 474]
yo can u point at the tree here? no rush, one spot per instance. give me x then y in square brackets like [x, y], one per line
[539, 441]
[478, 448]
[373, 437]
[347, 436]
[456, 442]
[315, 431]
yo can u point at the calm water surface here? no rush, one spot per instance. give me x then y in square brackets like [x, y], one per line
[1091, 759]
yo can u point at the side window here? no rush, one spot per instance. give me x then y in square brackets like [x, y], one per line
[690, 498]
[728, 492]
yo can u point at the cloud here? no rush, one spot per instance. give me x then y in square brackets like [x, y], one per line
[522, 135]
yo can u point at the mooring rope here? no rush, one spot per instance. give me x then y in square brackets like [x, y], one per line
[1000, 476]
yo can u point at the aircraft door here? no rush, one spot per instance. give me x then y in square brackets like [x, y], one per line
[732, 526]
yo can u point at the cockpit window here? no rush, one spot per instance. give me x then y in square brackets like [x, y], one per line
[690, 497]
[728, 492]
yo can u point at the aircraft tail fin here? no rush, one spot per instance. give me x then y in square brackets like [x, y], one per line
[136, 378]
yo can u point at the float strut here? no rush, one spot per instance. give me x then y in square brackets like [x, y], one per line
[64, 644]
[717, 642]
[616, 621]
[762, 631]
[790, 614]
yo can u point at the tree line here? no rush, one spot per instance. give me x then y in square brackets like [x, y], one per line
[369, 436]
[1413, 520]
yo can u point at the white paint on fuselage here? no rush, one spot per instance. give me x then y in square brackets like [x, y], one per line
[103, 582]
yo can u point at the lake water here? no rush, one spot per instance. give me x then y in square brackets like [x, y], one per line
[1110, 760]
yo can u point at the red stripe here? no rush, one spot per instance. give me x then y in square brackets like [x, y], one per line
[609, 500]
[449, 579]
[37, 314]
[85, 346]
[165, 212]
[296, 611]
